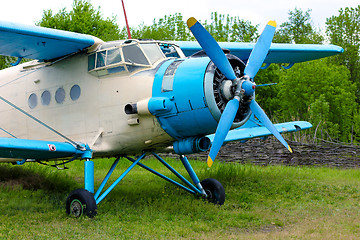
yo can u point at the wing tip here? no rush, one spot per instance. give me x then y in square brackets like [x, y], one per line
[209, 161]
[191, 22]
[289, 148]
[272, 23]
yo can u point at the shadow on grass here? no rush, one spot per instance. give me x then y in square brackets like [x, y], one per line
[35, 178]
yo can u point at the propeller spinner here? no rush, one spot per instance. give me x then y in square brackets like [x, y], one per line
[244, 86]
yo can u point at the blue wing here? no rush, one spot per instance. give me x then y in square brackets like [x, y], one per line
[33, 42]
[254, 129]
[15, 148]
[278, 53]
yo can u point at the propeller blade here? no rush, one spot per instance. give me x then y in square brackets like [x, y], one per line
[226, 120]
[261, 115]
[211, 47]
[261, 49]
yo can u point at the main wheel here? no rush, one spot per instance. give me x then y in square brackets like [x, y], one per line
[214, 190]
[79, 202]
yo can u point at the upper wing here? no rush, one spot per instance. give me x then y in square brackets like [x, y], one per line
[249, 131]
[33, 42]
[278, 53]
[15, 149]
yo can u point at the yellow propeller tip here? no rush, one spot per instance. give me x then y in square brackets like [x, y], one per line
[209, 161]
[191, 22]
[272, 23]
[290, 149]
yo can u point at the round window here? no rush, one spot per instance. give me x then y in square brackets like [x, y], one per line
[60, 95]
[32, 101]
[75, 92]
[45, 97]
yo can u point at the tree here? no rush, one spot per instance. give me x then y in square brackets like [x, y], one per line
[298, 29]
[221, 27]
[320, 91]
[83, 18]
[170, 27]
[344, 30]
[225, 28]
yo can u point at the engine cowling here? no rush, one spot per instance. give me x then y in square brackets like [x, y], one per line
[188, 96]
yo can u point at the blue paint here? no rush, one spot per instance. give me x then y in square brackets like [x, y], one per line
[160, 106]
[278, 53]
[191, 145]
[253, 129]
[99, 199]
[17, 62]
[248, 87]
[39, 150]
[288, 66]
[102, 185]
[89, 175]
[190, 170]
[19, 40]
[177, 174]
[213, 50]
[163, 177]
[186, 113]
[266, 66]
[225, 123]
[22, 162]
[260, 51]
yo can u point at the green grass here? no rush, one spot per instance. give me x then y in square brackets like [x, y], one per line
[272, 202]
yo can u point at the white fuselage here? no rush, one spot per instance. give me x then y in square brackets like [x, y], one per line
[96, 118]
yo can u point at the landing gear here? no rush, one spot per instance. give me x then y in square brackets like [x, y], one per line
[80, 202]
[214, 190]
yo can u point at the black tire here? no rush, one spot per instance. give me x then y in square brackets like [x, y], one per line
[214, 190]
[80, 202]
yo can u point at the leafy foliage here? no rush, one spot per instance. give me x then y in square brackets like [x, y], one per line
[83, 18]
[298, 29]
[170, 27]
[344, 31]
[319, 90]
[225, 28]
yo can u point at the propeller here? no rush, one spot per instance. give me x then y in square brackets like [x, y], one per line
[243, 86]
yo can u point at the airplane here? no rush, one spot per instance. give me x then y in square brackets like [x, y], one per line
[81, 98]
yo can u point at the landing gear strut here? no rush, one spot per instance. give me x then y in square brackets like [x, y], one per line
[84, 201]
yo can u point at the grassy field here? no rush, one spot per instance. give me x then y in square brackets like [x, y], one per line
[272, 202]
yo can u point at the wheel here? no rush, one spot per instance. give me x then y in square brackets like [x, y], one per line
[214, 190]
[79, 202]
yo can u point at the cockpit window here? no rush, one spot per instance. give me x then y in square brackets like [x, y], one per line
[100, 59]
[153, 52]
[130, 56]
[133, 54]
[169, 50]
[113, 56]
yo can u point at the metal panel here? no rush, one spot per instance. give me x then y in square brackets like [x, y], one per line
[18, 40]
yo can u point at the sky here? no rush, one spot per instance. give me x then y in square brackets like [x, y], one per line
[256, 11]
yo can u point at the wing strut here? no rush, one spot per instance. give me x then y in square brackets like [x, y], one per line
[77, 145]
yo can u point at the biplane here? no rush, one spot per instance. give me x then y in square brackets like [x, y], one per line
[82, 98]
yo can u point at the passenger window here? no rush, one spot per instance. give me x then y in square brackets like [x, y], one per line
[45, 97]
[32, 101]
[133, 54]
[60, 95]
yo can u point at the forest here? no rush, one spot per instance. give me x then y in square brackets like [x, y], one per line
[325, 92]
